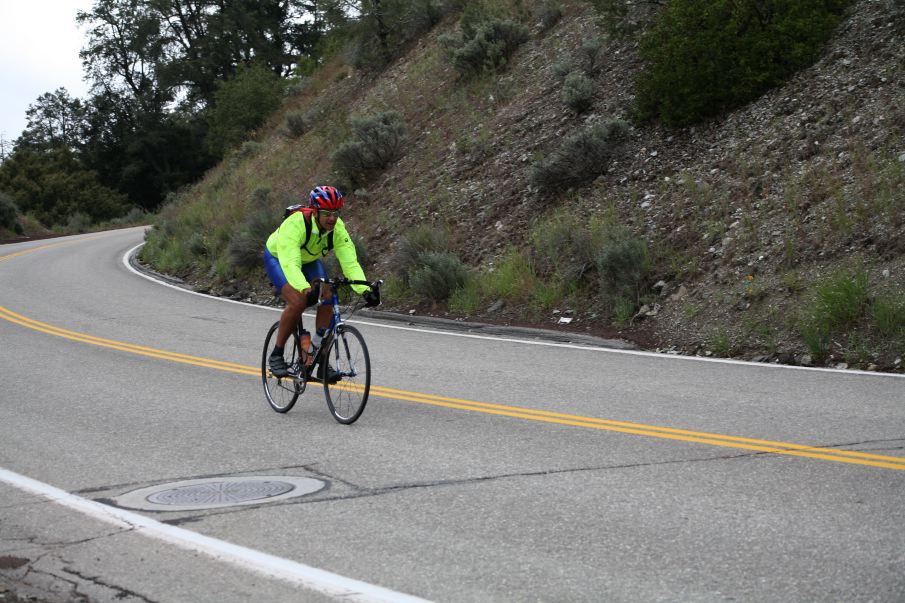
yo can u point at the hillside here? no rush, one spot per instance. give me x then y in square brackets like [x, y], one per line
[751, 219]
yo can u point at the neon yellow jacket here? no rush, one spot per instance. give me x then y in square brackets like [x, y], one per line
[285, 244]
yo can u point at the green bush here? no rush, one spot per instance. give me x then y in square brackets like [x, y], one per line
[246, 245]
[475, 13]
[296, 86]
[817, 337]
[888, 314]
[249, 149]
[167, 244]
[377, 141]
[135, 217]
[565, 246]
[78, 222]
[590, 55]
[467, 298]
[842, 299]
[298, 123]
[581, 157]
[838, 303]
[706, 56]
[570, 252]
[513, 278]
[548, 15]
[563, 68]
[578, 92]
[623, 266]
[9, 214]
[624, 311]
[440, 274]
[413, 245]
[241, 104]
[490, 48]
[720, 342]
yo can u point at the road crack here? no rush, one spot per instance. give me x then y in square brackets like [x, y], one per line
[358, 491]
[363, 492]
[96, 580]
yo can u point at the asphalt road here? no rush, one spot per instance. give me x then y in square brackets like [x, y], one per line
[483, 469]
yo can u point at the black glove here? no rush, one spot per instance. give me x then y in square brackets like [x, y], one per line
[372, 298]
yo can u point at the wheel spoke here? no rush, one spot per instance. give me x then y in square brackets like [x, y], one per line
[347, 397]
[281, 392]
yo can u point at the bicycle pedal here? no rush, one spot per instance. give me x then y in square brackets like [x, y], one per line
[287, 377]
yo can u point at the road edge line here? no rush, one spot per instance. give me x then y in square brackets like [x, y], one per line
[313, 578]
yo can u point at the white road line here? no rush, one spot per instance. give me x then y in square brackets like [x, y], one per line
[242, 557]
[554, 344]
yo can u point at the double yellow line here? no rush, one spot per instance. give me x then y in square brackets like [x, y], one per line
[669, 433]
[699, 437]
[10, 256]
[125, 347]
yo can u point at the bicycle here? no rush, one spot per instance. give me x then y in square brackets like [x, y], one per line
[347, 391]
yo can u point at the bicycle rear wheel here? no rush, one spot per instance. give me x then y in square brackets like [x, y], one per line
[348, 354]
[281, 392]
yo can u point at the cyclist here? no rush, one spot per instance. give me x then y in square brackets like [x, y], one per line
[292, 258]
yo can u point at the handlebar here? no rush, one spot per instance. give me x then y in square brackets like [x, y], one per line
[315, 296]
[342, 281]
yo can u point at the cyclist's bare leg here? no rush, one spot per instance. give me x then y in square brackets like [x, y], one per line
[295, 305]
[324, 313]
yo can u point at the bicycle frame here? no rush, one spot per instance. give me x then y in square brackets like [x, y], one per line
[336, 319]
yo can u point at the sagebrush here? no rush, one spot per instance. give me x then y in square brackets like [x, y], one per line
[414, 244]
[376, 142]
[578, 92]
[493, 43]
[440, 274]
[581, 157]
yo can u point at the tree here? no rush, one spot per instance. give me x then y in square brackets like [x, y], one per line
[242, 104]
[166, 74]
[124, 48]
[385, 26]
[6, 147]
[137, 140]
[54, 185]
[205, 41]
[144, 156]
[55, 120]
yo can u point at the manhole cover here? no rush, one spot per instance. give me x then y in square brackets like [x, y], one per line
[218, 492]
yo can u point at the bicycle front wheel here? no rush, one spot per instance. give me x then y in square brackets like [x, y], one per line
[348, 356]
[281, 392]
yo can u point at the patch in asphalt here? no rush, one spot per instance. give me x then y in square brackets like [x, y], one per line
[218, 492]
[8, 562]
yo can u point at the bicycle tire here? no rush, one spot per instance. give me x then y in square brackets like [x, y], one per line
[349, 356]
[281, 392]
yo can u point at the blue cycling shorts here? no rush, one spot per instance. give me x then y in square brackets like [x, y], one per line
[311, 270]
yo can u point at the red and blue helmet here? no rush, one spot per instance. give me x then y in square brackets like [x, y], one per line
[326, 197]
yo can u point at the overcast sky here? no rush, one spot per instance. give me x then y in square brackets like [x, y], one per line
[39, 52]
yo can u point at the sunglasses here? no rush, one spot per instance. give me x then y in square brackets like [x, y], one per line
[329, 213]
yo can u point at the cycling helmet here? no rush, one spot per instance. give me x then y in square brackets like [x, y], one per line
[326, 197]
